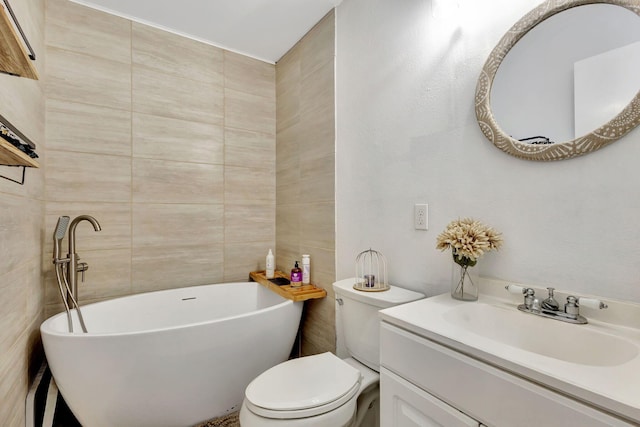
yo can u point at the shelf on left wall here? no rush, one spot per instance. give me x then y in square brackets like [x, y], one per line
[11, 155]
[16, 58]
[16, 55]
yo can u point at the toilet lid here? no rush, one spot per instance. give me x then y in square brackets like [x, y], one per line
[321, 382]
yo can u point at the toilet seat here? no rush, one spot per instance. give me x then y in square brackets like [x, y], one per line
[303, 387]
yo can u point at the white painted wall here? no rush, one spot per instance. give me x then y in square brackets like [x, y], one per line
[406, 133]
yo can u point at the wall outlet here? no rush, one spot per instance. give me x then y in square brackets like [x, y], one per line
[421, 216]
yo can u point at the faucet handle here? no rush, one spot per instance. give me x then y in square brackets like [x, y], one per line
[82, 267]
[529, 294]
[515, 289]
[571, 307]
[530, 301]
[592, 303]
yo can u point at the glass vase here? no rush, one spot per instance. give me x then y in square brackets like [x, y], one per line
[464, 282]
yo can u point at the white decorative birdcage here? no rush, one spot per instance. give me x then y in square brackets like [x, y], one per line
[371, 272]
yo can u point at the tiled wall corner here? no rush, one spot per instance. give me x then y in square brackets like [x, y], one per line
[305, 159]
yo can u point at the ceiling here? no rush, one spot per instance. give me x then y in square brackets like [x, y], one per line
[262, 29]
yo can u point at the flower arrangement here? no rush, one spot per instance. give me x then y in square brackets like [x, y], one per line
[468, 240]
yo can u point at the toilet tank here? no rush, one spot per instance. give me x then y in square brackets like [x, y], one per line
[357, 321]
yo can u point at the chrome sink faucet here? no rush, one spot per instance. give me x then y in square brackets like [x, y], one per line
[550, 308]
[76, 267]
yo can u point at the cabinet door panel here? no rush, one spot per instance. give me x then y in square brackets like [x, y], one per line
[405, 405]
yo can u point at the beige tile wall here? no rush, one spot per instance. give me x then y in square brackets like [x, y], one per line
[171, 144]
[305, 218]
[22, 213]
[168, 142]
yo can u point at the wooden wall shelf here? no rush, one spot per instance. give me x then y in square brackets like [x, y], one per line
[16, 150]
[11, 156]
[14, 58]
[300, 293]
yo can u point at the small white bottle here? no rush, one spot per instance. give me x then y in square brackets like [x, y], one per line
[306, 269]
[270, 265]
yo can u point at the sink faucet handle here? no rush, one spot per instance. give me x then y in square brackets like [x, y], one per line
[529, 294]
[530, 301]
[571, 307]
[592, 303]
[515, 289]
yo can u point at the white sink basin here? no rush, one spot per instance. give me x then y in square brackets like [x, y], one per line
[546, 337]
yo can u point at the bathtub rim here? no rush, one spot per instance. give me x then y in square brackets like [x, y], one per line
[45, 326]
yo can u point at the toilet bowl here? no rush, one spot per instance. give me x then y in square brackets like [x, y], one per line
[324, 390]
[319, 390]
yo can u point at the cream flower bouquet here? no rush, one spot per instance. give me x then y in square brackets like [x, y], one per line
[468, 240]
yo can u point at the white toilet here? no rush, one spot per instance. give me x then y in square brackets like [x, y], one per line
[324, 390]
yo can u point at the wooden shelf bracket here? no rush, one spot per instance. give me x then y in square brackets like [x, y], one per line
[32, 54]
[21, 182]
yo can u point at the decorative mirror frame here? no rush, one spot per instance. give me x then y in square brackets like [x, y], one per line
[610, 132]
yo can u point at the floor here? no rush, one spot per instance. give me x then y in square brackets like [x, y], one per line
[230, 420]
[45, 406]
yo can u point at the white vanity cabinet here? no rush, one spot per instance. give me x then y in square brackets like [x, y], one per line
[427, 384]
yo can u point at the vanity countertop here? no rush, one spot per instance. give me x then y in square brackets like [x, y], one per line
[559, 355]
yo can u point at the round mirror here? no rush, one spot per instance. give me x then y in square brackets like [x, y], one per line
[570, 86]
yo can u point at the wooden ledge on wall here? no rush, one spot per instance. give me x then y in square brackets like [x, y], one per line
[295, 293]
[10, 155]
[14, 58]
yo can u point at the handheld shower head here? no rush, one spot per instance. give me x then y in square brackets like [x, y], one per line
[61, 227]
[58, 235]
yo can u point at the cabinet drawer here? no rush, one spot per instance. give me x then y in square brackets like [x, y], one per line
[488, 394]
[405, 405]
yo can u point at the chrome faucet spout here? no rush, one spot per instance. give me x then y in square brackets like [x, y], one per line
[550, 303]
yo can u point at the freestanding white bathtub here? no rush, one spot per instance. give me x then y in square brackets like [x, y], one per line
[169, 358]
